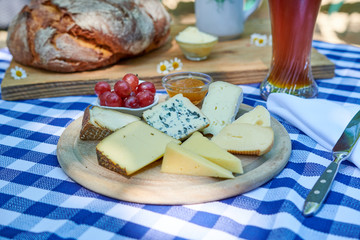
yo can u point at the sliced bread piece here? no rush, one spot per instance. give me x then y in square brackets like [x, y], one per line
[212, 152]
[179, 160]
[258, 116]
[221, 105]
[99, 122]
[177, 117]
[244, 138]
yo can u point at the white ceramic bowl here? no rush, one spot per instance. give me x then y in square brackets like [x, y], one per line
[134, 111]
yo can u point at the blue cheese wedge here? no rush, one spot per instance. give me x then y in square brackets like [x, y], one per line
[221, 105]
[177, 117]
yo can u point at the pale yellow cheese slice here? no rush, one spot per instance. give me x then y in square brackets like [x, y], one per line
[110, 119]
[132, 147]
[209, 150]
[243, 138]
[221, 105]
[258, 116]
[178, 160]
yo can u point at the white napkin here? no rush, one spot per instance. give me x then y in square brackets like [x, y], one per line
[322, 120]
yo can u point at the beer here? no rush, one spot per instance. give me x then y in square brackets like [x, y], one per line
[292, 26]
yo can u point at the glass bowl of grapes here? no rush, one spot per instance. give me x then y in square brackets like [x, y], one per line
[128, 95]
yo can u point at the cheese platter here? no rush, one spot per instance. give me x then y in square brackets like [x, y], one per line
[78, 159]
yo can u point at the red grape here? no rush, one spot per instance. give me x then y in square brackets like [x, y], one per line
[102, 97]
[145, 98]
[101, 87]
[113, 100]
[132, 80]
[131, 102]
[149, 86]
[122, 88]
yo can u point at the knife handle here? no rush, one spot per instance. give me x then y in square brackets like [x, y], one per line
[320, 190]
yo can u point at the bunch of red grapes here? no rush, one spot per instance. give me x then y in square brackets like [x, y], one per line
[126, 93]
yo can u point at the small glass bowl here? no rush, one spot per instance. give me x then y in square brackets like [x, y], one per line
[196, 51]
[133, 111]
[192, 85]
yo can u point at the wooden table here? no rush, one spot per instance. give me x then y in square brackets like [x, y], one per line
[237, 62]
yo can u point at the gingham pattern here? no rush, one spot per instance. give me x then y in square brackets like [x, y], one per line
[38, 201]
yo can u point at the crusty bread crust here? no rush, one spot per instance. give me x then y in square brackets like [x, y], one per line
[79, 35]
[91, 132]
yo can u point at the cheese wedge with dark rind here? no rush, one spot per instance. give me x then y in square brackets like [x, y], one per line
[132, 147]
[97, 122]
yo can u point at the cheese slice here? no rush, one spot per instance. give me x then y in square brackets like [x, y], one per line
[243, 138]
[221, 105]
[179, 160]
[99, 122]
[258, 116]
[110, 119]
[177, 117]
[204, 147]
[132, 147]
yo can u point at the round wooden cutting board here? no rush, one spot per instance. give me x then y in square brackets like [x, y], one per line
[149, 186]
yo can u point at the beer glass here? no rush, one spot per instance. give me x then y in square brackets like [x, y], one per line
[292, 28]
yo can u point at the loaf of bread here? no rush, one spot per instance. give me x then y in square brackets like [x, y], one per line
[98, 123]
[79, 35]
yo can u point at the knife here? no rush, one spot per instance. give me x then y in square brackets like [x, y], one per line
[341, 151]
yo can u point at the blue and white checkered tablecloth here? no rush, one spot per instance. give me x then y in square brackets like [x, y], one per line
[38, 201]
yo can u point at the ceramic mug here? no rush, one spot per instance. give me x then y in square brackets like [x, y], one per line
[223, 18]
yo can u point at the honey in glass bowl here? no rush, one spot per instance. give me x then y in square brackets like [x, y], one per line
[192, 85]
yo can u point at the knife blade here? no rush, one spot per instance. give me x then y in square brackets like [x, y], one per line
[341, 151]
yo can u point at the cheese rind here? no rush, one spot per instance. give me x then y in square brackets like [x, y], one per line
[99, 122]
[132, 147]
[178, 160]
[258, 116]
[177, 117]
[221, 105]
[243, 138]
[204, 147]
